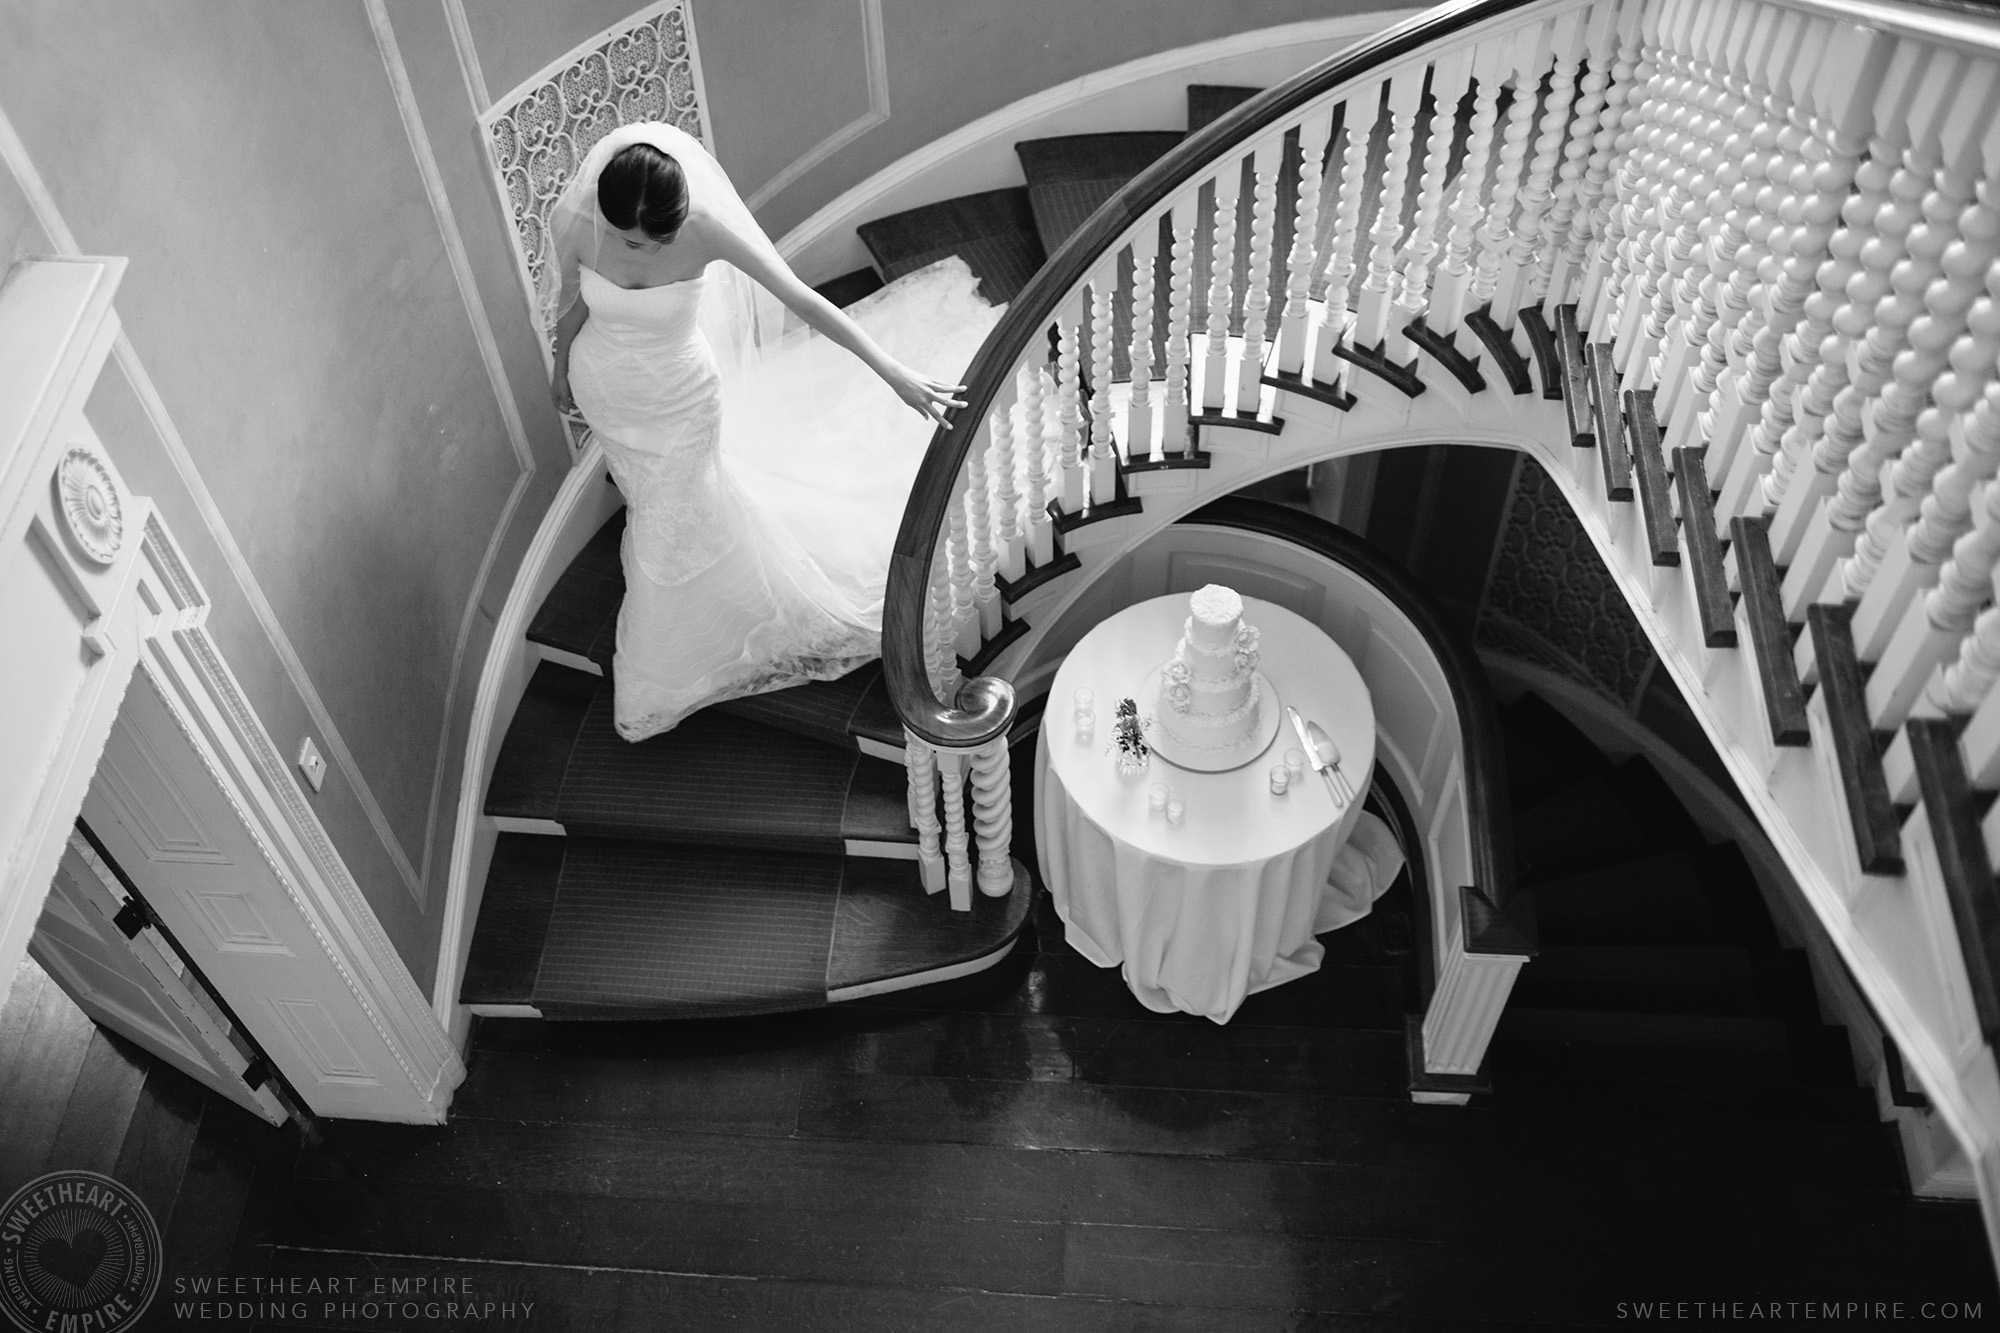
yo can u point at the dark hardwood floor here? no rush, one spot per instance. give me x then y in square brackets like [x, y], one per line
[1033, 1150]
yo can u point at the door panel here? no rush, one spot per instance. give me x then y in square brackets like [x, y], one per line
[186, 839]
[136, 986]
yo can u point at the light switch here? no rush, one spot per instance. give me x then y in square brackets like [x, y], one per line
[311, 763]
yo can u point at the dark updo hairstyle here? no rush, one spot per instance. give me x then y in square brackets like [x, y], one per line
[643, 187]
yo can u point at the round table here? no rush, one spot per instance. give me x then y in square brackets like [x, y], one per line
[1228, 903]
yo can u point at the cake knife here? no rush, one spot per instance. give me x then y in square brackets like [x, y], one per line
[1313, 755]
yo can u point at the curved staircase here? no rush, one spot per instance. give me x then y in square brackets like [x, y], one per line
[760, 857]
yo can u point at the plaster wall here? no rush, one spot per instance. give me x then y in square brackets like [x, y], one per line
[329, 382]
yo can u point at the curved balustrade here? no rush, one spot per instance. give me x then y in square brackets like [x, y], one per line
[1753, 247]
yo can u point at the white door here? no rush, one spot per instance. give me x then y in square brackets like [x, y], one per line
[103, 950]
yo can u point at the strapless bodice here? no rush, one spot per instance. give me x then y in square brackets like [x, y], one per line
[641, 315]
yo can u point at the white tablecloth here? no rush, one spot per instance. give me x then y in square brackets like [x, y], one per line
[1201, 915]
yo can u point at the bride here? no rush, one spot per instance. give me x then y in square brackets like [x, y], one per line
[765, 466]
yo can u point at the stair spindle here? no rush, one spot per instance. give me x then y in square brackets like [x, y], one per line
[1455, 273]
[1006, 462]
[1072, 479]
[1294, 323]
[1550, 199]
[1174, 434]
[1139, 441]
[979, 536]
[1497, 238]
[921, 760]
[1325, 366]
[1449, 77]
[957, 836]
[1249, 386]
[1371, 321]
[1035, 441]
[992, 818]
[1228, 186]
[1102, 285]
[1615, 136]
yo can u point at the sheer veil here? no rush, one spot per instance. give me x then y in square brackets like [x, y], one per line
[747, 328]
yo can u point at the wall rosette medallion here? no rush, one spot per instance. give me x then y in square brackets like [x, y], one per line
[645, 68]
[88, 498]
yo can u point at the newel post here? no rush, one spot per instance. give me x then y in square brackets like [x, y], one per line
[1483, 951]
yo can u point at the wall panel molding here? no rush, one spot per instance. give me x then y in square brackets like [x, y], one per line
[496, 374]
[467, 51]
[15, 154]
[876, 53]
[647, 67]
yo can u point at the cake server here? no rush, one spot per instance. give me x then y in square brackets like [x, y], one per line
[1324, 747]
[1314, 756]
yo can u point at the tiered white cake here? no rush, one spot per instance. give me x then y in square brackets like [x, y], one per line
[1210, 692]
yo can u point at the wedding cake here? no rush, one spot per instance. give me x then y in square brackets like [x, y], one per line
[1210, 692]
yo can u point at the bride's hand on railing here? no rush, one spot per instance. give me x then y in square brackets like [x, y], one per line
[930, 397]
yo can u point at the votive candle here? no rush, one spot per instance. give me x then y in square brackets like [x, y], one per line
[1176, 811]
[1295, 764]
[1156, 798]
[1281, 778]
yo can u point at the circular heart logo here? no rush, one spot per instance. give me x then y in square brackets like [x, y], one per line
[77, 1250]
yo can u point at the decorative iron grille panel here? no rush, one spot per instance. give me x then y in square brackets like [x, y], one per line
[646, 68]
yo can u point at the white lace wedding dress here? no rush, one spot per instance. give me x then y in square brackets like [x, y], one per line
[760, 513]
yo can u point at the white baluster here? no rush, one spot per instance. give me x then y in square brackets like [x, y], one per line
[1035, 441]
[1821, 458]
[1295, 323]
[1498, 238]
[1620, 254]
[979, 538]
[1967, 391]
[993, 817]
[1139, 416]
[1371, 320]
[1174, 436]
[1449, 77]
[1549, 200]
[1326, 367]
[1949, 255]
[1449, 303]
[942, 639]
[922, 762]
[1258, 278]
[1228, 185]
[1537, 181]
[1587, 164]
[1808, 296]
[1711, 147]
[1965, 581]
[1102, 284]
[957, 841]
[966, 632]
[1616, 134]
[1072, 471]
[1006, 463]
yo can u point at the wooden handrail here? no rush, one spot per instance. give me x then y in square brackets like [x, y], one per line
[984, 705]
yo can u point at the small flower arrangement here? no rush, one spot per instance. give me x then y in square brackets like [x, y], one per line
[1248, 641]
[1179, 694]
[1128, 739]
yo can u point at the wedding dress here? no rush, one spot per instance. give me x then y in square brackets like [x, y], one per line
[762, 500]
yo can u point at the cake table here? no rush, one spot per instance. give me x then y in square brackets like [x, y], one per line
[1229, 902]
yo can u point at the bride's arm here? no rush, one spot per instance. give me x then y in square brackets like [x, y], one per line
[928, 396]
[568, 324]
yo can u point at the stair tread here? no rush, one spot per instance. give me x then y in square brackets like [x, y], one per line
[1687, 978]
[856, 704]
[1209, 101]
[848, 288]
[1650, 900]
[584, 927]
[1670, 1047]
[1070, 176]
[993, 231]
[580, 614]
[716, 778]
